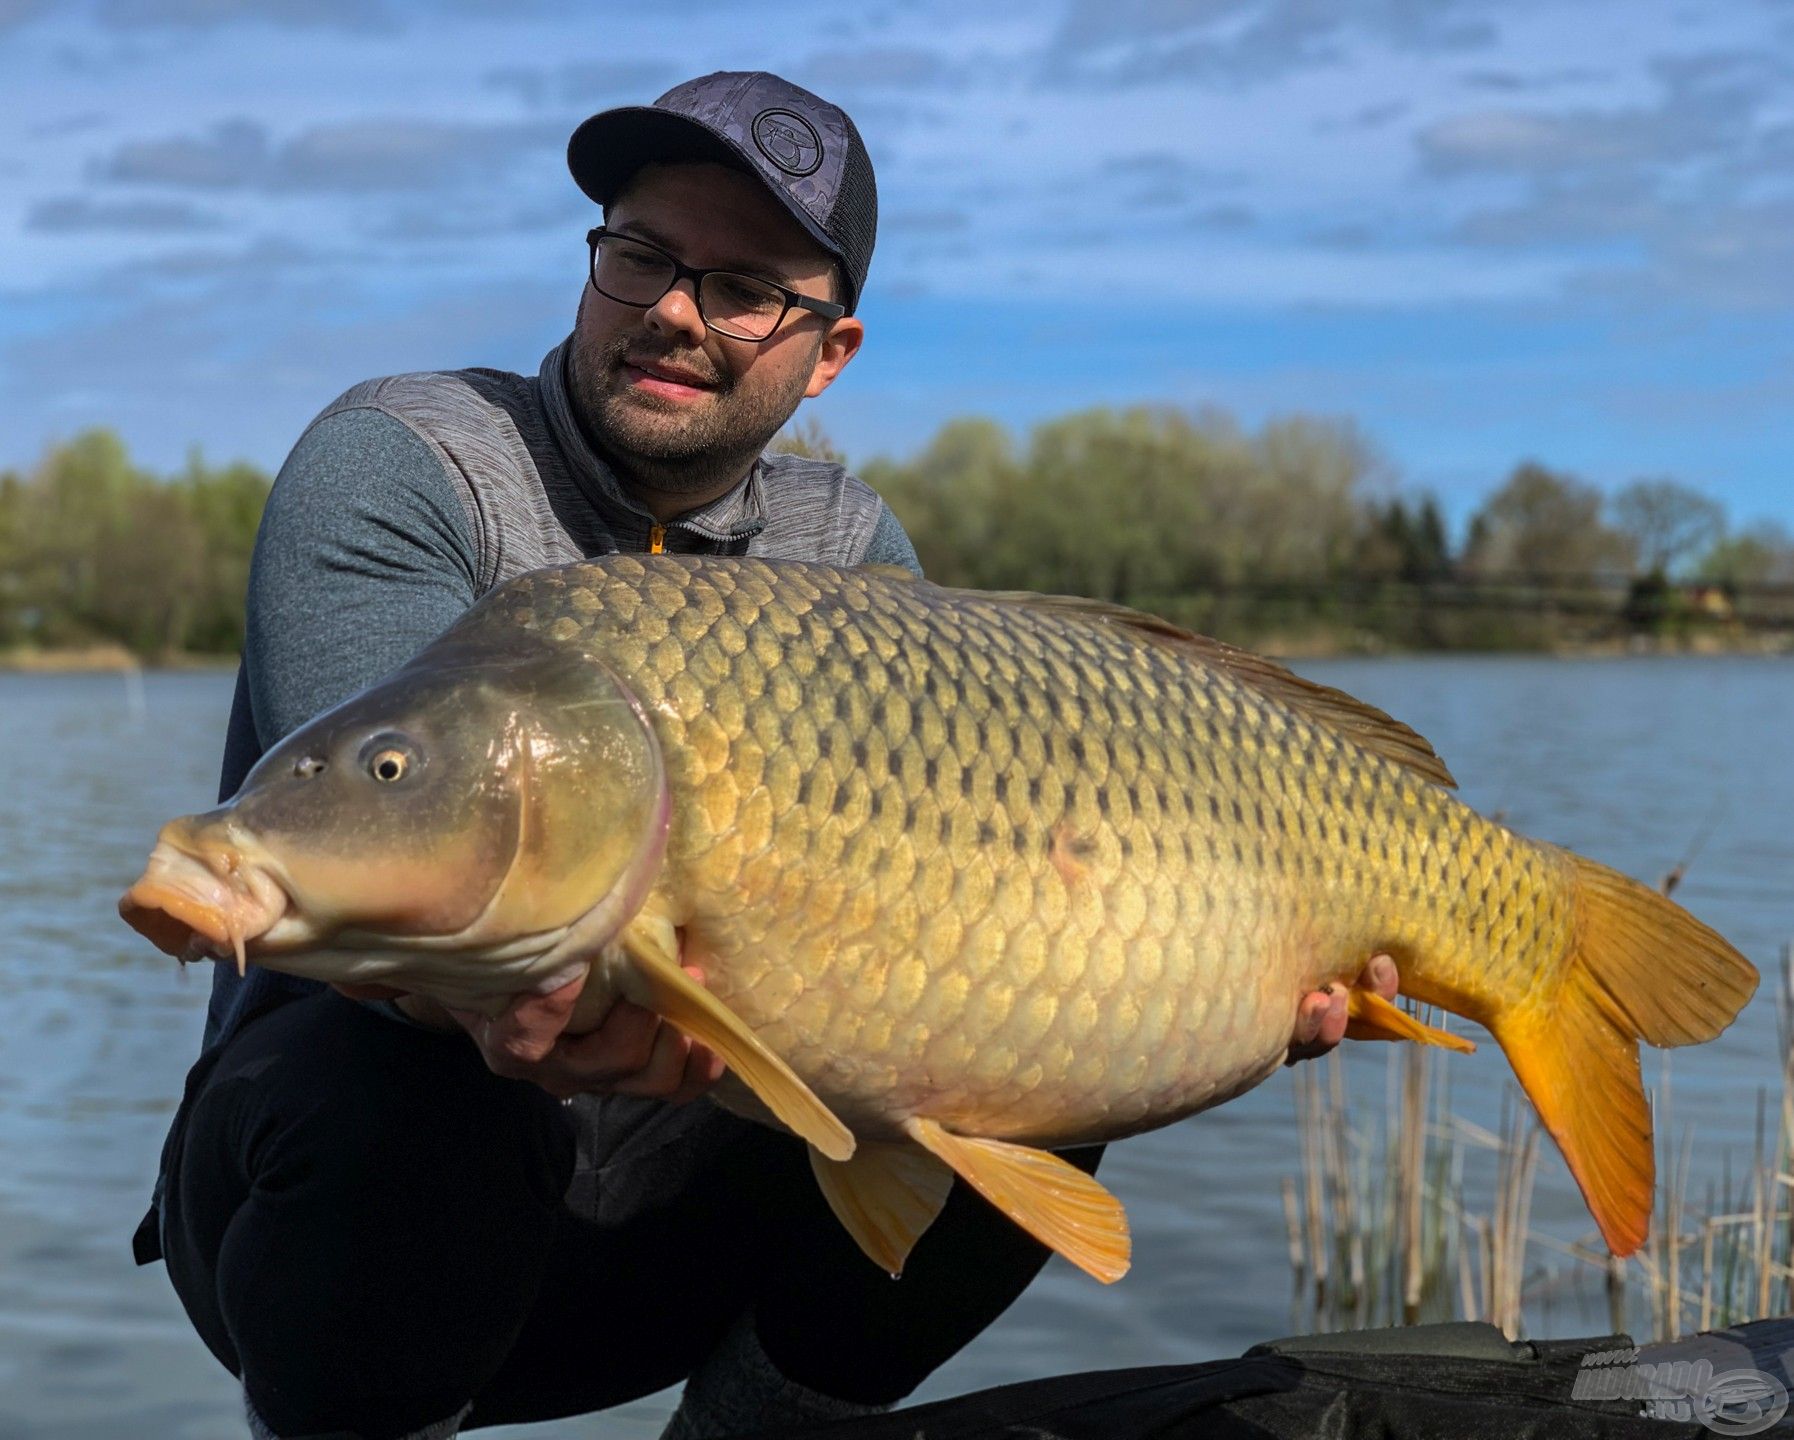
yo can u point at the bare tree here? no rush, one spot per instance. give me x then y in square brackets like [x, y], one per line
[807, 438]
[1546, 526]
[1669, 522]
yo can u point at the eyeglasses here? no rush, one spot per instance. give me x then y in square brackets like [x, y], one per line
[743, 307]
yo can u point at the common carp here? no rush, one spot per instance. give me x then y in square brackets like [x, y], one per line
[970, 876]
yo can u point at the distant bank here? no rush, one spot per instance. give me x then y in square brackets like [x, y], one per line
[1297, 644]
[76, 659]
[1365, 642]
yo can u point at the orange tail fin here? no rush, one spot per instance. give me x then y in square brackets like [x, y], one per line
[1643, 968]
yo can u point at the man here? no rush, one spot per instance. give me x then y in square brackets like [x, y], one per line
[368, 1220]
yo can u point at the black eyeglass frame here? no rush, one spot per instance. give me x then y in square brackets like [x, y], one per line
[827, 309]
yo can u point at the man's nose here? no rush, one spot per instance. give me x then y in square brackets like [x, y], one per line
[676, 313]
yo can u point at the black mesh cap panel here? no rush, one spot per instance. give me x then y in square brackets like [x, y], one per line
[853, 226]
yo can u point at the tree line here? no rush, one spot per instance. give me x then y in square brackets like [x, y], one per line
[1299, 531]
[1299, 526]
[95, 549]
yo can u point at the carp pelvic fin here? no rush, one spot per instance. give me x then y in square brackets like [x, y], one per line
[661, 986]
[886, 1196]
[1058, 1204]
[1371, 1017]
[1642, 968]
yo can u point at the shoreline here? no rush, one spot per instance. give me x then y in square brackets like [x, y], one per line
[1367, 645]
[103, 659]
[116, 659]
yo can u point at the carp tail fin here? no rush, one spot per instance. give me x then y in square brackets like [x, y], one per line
[1641, 968]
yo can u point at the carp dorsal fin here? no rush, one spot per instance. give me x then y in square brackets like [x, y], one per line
[886, 1195]
[1055, 1202]
[655, 982]
[1364, 725]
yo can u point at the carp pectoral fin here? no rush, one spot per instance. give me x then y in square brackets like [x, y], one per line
[886, 1196]
[1371, 1017]
[661, 986]
[1058, 1204]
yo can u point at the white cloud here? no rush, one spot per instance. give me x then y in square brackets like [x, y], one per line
[1688, 193]
[351, 15]
[1124, 42]
[83, 212]
[1268, 158]
[384, 155]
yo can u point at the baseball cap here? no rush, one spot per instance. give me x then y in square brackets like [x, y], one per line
[804, 150]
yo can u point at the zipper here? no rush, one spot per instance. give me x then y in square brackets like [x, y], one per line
[657, 539]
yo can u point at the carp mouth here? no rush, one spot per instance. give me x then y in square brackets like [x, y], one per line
[202, 899]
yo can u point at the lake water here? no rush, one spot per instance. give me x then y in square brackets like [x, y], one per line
[1628, 761]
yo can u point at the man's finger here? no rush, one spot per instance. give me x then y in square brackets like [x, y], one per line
[1309, 1015]
[703, 1068]
[1381, 975]
[525, 1031]
[663, 1071]
[550, 1010]
[1308, 1041]
[617, 1049]
[1333, 1018]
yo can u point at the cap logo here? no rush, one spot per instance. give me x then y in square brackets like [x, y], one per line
[788, 140]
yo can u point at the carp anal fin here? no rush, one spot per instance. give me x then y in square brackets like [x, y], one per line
[669, 992]
[886, 1196]
[1058, 1204]
[1371, 1017]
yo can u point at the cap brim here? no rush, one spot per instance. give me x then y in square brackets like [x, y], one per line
[611, 146]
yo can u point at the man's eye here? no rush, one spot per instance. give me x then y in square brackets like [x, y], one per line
[748, 295]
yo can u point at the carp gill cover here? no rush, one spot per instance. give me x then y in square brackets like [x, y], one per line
[970, 876]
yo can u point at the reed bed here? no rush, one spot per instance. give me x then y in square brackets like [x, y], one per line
[1382, 1231]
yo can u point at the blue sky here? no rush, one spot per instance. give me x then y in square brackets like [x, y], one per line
[1560, 229]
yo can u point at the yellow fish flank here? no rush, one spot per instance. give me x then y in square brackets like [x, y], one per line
[970, 876]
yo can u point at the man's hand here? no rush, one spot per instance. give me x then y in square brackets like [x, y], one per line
[632, 1052]
[1321, 1017]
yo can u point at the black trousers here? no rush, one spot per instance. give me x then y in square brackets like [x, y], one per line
[370, 1229]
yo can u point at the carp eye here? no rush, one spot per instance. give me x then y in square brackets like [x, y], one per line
[389, 766]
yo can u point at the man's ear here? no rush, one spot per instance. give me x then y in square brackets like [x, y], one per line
[839, 345]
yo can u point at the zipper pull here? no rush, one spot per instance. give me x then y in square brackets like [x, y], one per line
[657, 539]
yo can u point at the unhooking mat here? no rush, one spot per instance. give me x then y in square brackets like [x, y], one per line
[1461, 1381]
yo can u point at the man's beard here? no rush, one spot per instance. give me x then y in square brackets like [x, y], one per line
[660, 443]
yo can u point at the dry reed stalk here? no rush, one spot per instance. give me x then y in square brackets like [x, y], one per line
[1384, 1248]
[1310, 1123]
[1292, 1220]
[1707, 1233]
[1411, 1179]
[1615, 1284]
